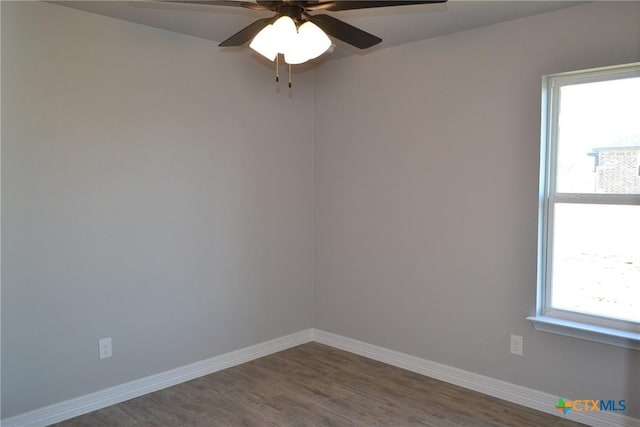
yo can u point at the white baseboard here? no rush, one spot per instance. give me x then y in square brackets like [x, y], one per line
[91, 402]
[503, 390]
[510, 392]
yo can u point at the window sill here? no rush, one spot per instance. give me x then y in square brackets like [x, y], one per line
[584, 331]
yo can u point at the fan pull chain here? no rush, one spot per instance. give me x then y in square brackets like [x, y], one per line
[277, 69]
[289, 75]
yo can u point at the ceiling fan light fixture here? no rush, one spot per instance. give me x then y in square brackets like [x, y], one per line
[292, 35]
[298, 45]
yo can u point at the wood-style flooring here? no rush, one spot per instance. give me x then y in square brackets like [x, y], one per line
[316, 385]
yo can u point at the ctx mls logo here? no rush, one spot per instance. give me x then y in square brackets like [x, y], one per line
[590, 405]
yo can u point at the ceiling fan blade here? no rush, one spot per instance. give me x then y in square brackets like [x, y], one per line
[245, 4]
[247, 33]
[364, 4]
[345, 32]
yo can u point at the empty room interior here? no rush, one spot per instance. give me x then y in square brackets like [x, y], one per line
[395, 235]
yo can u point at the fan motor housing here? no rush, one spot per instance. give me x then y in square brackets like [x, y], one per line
[292, 11]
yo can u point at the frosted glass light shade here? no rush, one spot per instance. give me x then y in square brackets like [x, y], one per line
[310, 42]
[285, 33]
[296, 53]
[314, 40]
[266, 43]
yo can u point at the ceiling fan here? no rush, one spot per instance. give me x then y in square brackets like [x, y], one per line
[295, 33]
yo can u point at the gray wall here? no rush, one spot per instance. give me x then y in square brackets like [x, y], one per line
[426, 183]
[155, 190]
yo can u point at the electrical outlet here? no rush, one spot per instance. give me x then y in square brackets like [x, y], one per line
[516, 345]
[104, 346]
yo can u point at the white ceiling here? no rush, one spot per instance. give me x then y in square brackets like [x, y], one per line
[395, 25]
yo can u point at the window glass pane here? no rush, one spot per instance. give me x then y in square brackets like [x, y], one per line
[599, 137]
[596, 260]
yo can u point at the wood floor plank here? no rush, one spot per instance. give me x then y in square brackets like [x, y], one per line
[316, 385]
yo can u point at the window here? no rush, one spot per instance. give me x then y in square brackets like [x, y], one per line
[589, 243]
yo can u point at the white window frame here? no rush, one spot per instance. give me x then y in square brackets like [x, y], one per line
[580, 325]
